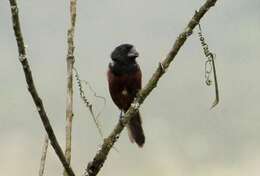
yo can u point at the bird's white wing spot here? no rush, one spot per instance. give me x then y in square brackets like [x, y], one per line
[124, 92]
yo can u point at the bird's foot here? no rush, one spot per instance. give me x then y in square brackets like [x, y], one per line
[121, 114]
[135, 105]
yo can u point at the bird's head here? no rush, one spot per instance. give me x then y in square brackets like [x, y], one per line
[124, 54]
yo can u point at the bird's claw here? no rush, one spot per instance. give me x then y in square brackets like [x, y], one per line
[135, 105]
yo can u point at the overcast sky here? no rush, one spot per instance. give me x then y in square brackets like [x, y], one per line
[183, 137]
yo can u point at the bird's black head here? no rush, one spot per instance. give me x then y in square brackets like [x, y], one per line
[124, 54]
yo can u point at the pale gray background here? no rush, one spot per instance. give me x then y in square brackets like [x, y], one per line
[183, 136]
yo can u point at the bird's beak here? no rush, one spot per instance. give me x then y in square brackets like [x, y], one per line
[133, 53]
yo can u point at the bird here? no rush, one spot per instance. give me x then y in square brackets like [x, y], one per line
[124, 81]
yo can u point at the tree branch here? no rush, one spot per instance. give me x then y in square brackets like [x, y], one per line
[31, 87]
[96, 164]
[44, 154]
[70, 62]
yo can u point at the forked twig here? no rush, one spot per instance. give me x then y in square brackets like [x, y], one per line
[89, 104]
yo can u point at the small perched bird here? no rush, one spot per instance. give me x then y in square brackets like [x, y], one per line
[125, 80]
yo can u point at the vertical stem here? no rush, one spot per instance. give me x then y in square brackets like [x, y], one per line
[44, 154]
[70, 62]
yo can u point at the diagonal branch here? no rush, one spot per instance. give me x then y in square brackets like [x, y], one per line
[70, 62]
[96, 164]
[31, 87]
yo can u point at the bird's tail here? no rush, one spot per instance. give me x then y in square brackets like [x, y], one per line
[135, 130]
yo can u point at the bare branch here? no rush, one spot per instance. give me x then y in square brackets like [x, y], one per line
[31, 87]
[70, 62]
[96, 164]
[44, 154]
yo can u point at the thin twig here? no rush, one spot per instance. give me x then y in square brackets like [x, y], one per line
[70, 62]
[211, 63]
[216, 101]
[31, 87]
[96, 164]
[44, 154]
[88, 104]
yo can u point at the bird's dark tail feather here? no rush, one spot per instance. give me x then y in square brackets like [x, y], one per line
[135, 130]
